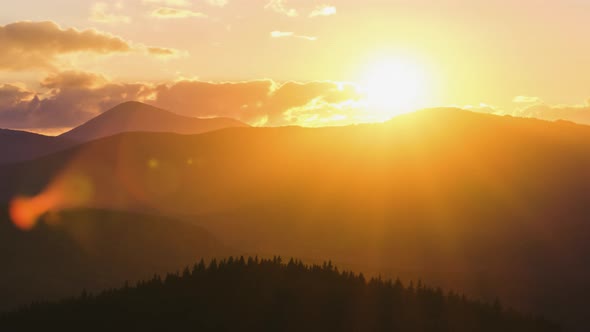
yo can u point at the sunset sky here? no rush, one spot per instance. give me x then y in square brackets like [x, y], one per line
[282, 62]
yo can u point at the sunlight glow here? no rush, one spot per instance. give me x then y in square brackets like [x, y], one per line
[394, 86]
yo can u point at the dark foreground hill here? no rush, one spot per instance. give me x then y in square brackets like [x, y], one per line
[491, 206]
[136, 116]
[266, 295]
[94, 249]
[18, 145]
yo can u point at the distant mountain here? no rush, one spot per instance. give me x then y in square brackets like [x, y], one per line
[18, 145]
[484, 204]
[267, 295]
[94, 249]
[136, 116]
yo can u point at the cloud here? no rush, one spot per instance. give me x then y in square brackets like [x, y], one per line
[178, 3]
[12, 95]
[323, 11]
[36, 45]
[575, 113]
[73, 79]
[171, 13]
[526, 100]
[71, 98]
[162, 52]
[279, 6]
[283, 34]
[538, 109]
[280, 34]
[217, 3]
[99, 13]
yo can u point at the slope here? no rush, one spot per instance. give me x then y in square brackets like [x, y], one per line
[94, 249]
[136, 116]
[493, 206]
[21, 145]
[266, 295]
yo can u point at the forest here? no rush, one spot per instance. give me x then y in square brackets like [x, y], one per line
[258, 294]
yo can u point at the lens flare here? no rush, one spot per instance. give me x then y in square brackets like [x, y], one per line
[69, 191]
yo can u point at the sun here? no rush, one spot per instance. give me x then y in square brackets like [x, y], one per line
[393, 86]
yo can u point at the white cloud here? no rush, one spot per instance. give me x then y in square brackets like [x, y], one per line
[217, 3]
[166, 13]
[526, 100]
[280, 7]
[283, 34]
[323, 11]
[179, 3]
[100, 13]
[279, 34]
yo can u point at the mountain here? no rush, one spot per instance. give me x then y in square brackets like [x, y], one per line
[136, 116]
[267, 295]
[487, 205]
[21, 145]
[94, 249]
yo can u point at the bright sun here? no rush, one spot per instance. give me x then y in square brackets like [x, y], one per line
[392, 87]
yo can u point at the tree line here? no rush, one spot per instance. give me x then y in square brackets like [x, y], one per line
[255, 294]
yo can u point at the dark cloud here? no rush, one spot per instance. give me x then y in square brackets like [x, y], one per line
[33, 45]
[259, 101]
[70, 98]
[38, 45]
[73, 79]
[11, 96]
[240, 100]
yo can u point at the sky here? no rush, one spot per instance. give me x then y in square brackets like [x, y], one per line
[285, 62]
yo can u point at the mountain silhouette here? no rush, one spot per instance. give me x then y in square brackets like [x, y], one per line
[19, 146]
[136, 116]
[94, 249]
[16, 145]
[239, 294]
[484, 204]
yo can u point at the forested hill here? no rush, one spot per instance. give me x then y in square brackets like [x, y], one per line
[268, 295]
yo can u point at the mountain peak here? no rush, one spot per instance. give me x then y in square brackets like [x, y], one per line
[137, 116]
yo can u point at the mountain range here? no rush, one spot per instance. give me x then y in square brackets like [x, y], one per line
[126, 117]
[487, 205]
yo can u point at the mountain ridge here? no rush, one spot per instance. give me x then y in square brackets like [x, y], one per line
[470, 200]
[136, 116]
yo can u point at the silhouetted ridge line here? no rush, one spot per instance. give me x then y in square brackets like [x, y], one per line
[252, 294]
[136, 116]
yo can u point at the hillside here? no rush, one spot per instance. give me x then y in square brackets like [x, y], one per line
[488, 205]
[93, 249]
[136, 116]
[18, 145]
[266, 295]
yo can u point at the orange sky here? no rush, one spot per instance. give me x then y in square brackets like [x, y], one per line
[527, 58]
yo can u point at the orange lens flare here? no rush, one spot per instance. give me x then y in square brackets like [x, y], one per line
[66, 192]
[25, 211]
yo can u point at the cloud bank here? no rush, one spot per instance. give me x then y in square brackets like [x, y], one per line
[67, 99]
[36, 45]
[70, 98]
